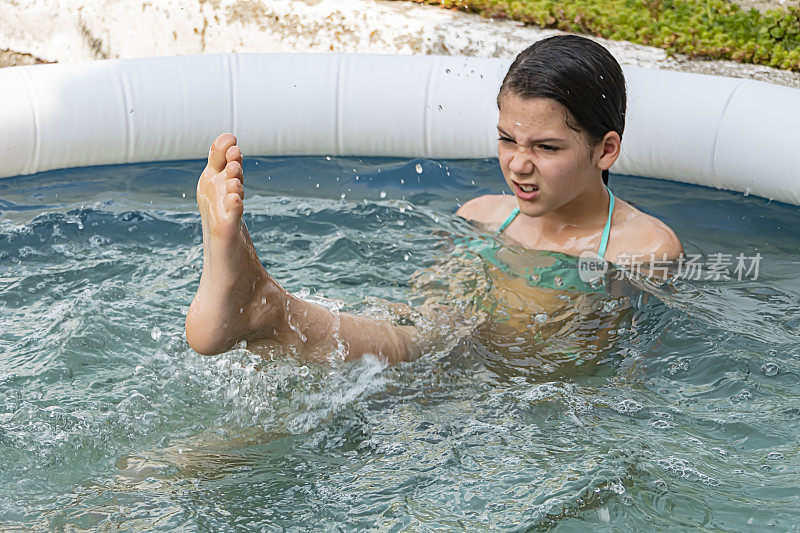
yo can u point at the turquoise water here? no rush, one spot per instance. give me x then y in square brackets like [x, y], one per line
[109, 420]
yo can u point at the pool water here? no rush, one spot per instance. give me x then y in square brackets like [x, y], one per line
[109, 420]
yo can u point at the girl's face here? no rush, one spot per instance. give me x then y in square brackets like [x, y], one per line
[545, 162]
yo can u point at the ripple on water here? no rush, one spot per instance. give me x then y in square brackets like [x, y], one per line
[107, 419]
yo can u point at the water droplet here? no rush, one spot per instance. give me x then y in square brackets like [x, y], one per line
[774, 456]
[317, 185]
[402, 181]
[662, 424]
[155, 333]
[628, 406]
[418, 168]
[328, 157]
[747, 191]
[406, 257]
[241, 310]
[661, 485]
[541, 318]
[677, 367]
[383, 194]
[558, 282]
[610, 305]
[342, 196]
[771, 369]
[772, 353]
[263, 301]
[603, 95]
[401, 222]
[744, 395]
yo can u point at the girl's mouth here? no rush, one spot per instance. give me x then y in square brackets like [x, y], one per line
[525, 192]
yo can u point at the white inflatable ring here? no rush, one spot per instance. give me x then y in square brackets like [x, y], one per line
[733, 134]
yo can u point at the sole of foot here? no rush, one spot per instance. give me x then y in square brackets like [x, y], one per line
[237, 300]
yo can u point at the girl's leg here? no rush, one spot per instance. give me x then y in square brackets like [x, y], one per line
[238, 300]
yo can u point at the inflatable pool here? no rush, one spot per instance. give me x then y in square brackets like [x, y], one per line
[732, 134]
[108, 420]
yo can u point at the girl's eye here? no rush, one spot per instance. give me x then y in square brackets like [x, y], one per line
[505, 140]
[548, 148]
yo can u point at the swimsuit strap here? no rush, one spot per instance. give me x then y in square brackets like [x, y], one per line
[509, 220]
[607, 230]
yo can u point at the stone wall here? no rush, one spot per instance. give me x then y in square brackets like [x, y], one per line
[72, 30]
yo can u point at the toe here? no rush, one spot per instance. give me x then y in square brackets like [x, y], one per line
[234, 170]
[217, 155]
[233, 204]
[235, 186]
[234, 153]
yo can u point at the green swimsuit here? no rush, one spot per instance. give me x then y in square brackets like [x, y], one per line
[558, 271]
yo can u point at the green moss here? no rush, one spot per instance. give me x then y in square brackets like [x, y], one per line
[715, 29]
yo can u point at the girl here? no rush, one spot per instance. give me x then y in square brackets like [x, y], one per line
[562, 114]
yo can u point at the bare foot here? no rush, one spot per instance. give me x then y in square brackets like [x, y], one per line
[237, 299]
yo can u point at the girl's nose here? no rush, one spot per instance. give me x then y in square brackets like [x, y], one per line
[521, 163]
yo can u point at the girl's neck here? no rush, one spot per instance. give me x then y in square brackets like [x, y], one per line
[587, 210]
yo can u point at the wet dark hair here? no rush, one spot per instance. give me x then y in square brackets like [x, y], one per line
[579, 74]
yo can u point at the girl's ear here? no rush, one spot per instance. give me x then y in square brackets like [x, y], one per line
[607, 150]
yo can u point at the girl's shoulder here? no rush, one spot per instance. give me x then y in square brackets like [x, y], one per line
[640, 237]
[489, 210]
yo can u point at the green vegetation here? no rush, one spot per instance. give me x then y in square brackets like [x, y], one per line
[713, 29]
